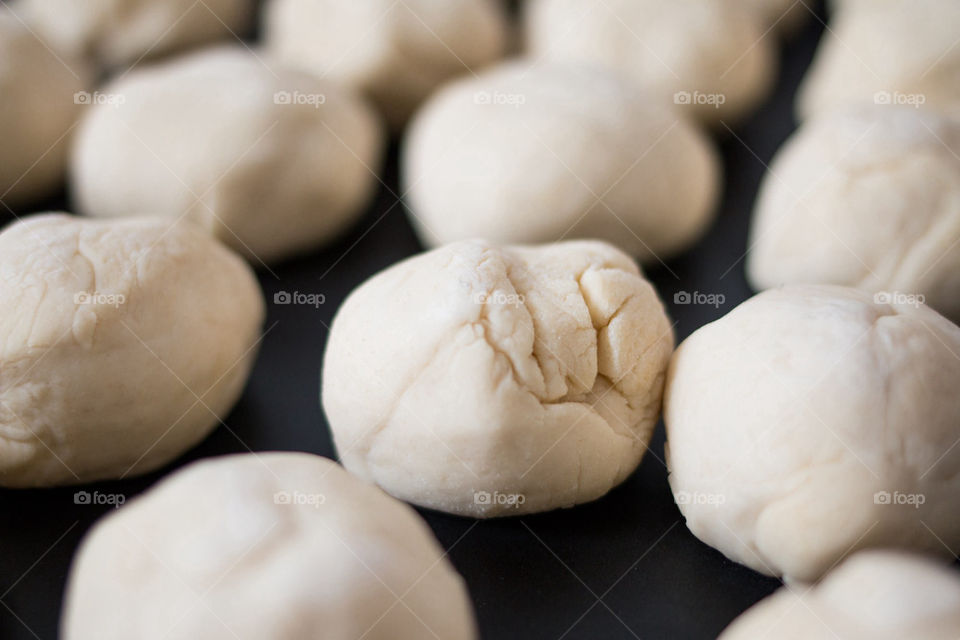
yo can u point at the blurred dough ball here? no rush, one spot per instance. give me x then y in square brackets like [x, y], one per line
[868, 198]
[487, 381]
[536, 154]
[124, 344]
[708, 58]
[271, 161]
[395, 52]
[886, 52]
[275, 546]
[38, 107]
[785, 16]
[810, 422]
[874, 595]
[120, 32]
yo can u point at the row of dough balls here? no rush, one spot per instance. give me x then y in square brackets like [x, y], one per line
[223, 135]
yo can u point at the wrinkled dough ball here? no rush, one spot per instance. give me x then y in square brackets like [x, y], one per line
[397, 53]
[886, 52]
[809, 422]
[121, 32]
[488, 381]
[868, 199]
[875, 595]
[123, 344]
[276, 546]
[709, 59]
[537, 154]
[38, 110]
[272, 162]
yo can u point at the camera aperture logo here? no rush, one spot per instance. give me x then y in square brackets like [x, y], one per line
[296, 297]
[898, 498]
[299, 499]
[715, 300]
[95, 297]
[97, 98]
[509, 500]
[96, 498]
[898, 98]
[315, 100]
[696, 497]
[898, 297]
[501, 298]
[499, 98]
[715, 100]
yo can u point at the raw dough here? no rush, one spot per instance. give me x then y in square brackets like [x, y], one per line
[810, 422]
[275, 546]
[490, 381]
[123, 343]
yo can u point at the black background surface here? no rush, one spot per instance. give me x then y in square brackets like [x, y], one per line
[622, 567]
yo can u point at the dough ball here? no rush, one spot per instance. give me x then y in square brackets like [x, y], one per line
[397, 53]
[123, 343]
[886, 52]
[810, 422]
[276, 546]
[488, 381]
[875, 595]
[121, 32]
[536, 154]
[709, 59]
[272, 162]
[37, 113]
[868, 199]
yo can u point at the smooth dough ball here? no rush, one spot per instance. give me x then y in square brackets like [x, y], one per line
[867, 199]
[123, 344]
[121, 32]
[37, 113]
[886, 52]
[810, 422]
[709, 59]
[271, 161]
[874, 595]
[275, 546]
[537, 154]
[397, 53]
[488, 381]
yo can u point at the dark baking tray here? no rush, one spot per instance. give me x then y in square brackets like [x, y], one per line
[624, 566]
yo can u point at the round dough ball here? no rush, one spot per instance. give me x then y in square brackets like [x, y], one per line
[536, 154]
[37, 113]
[123, 343]
[120, 32]
[809, 422]
[273, 162]
[875, 595]
[489, 381]
[709, 59]
[276, 546]
[886, 52]
[397, 53]
[868, 199]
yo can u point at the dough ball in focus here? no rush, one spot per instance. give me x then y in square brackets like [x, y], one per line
[537, 154]
[123, 344]
[874, 595]
[709, 59]
[395, 52]
[488, 381]
[276, 546]
[868, 198]
[271, 161]
[810, 422]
